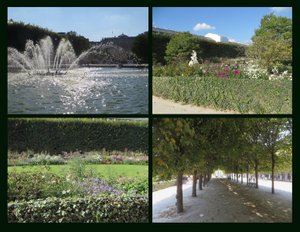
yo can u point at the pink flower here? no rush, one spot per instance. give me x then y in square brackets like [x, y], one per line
[236, 72]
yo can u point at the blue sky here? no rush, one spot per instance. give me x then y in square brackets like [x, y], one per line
[236, 23]
[92, 22]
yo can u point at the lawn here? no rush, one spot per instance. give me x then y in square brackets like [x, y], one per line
[109, 170]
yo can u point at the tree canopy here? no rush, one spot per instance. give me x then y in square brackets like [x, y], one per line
[272, 42]
[180, 47]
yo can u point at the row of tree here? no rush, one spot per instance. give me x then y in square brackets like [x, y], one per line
[18, 33]
[170, 48]
[198, 146]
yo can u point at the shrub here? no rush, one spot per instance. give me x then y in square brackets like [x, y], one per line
[131, 185]
[34, 185]
[57, 135]
[242, 95]
[107, 208]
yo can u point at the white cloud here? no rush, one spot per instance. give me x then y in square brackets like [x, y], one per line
[203, 26]
[281, 9]
[232, 40]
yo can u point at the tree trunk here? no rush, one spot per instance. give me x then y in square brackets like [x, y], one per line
[237, 177]
[247, 176]
[273, 167]
[194, 193]
[204, 180]
[179, 197]
[200, 182]
[242, 181]
[256, 173]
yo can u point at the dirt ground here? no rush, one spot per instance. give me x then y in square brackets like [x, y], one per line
[224, 201]
[164, 106]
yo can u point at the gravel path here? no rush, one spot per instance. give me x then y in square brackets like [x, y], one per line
[224, 201]
[163, 106]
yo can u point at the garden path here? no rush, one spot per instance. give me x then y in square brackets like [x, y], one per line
[163, 106]
[224, 201]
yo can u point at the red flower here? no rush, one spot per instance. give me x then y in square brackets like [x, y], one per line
[236, 72]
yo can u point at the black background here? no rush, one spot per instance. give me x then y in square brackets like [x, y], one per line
[146, 3]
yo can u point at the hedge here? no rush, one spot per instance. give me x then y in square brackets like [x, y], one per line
[242, 95]
[209, 49]
[57, 135]
[107, 209]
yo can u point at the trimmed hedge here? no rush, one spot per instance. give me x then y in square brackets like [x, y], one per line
[109, 208]
[55, 136]
[242, 95]
[209, 49]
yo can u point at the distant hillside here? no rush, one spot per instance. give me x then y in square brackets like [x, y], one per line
[209, 48]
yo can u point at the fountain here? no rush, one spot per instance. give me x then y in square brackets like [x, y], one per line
[71, 84]
[41, 58]
[194, 59]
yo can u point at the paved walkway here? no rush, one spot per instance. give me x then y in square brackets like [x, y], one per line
[223, 201]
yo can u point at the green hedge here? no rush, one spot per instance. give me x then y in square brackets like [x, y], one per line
[57, 135]
[242, 95]
[109, 208]
[209, 49]
[18, 33]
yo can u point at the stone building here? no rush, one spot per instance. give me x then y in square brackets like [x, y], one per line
[124, 41]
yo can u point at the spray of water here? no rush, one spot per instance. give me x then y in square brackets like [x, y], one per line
[41, 58]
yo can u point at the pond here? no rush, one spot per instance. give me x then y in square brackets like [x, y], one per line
[80, 91]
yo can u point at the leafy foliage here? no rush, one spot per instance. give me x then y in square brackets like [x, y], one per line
[172, 142]
[42, 184]
[19, 33]
[180, 47]
[103, 209]
[209, 49]
[140, 47]
[272, 42]
[246, 95]
[56, 136]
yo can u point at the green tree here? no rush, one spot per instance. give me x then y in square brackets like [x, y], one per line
[140, 47]
[272, 42]
[172, 142]
[180, 47]
[272, 135]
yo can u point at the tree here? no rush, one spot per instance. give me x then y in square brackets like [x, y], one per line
[272, 42]
[140, 47]
[271, 133]
[180, 47]
[79, 43]
[172, 141]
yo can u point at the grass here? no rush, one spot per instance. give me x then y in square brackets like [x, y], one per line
[106, 171]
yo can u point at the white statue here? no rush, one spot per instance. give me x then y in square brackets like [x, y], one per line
[193, 60]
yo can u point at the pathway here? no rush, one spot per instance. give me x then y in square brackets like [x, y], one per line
[163, 106]
[224, 201]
